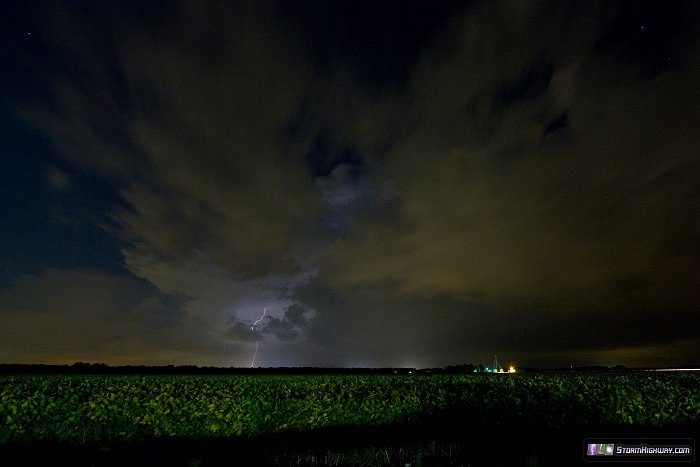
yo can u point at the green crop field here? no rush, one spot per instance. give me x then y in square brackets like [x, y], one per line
[107, 413]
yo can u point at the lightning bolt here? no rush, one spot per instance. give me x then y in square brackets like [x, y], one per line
[252, 328]
[256, 353]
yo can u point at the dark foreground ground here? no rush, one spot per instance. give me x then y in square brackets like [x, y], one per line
[389, 446]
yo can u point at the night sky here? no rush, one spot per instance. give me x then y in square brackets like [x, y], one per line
[401, 183]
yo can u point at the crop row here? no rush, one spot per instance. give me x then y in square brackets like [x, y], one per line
[105, 409]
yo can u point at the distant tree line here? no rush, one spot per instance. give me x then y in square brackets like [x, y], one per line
[101, 368]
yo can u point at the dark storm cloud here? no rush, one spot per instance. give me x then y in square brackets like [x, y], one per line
[241, 331]
[292, 325]
[515, 179]
[547, 239]
[296, 315]
[63, 316]
[282, 329]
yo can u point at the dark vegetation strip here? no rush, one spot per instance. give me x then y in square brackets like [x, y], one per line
[334, 420]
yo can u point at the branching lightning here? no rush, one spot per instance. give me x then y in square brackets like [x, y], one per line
[252, 328]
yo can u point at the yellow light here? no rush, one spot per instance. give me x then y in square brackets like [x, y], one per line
[511, 370]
